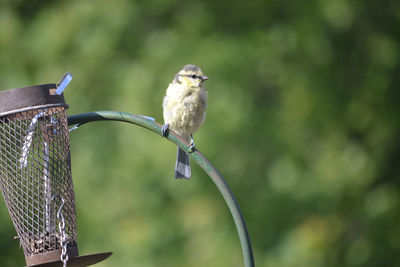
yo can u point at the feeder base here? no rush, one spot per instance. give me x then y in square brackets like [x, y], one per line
[52, 259]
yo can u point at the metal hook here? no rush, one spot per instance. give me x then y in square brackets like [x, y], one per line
[61, 206]
[28, 139]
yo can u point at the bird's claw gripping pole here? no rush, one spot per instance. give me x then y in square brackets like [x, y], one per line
[223, 187]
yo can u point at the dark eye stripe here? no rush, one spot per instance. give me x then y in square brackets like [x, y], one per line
[194, 76]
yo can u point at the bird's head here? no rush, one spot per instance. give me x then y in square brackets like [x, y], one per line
[190, 75]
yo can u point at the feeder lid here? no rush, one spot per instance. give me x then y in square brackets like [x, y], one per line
[14, 100]
[78, 261]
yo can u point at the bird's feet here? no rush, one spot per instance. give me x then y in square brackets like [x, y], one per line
[192, 145]
[165, 130]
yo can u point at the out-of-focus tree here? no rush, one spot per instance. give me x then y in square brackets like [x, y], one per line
[303, 122]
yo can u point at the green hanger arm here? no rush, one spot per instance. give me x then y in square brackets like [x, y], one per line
[223, 187]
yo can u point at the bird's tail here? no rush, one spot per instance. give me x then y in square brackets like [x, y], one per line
[182, 166]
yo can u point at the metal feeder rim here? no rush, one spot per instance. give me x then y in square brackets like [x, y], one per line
[78, 261]
[32, 108]
[14, 100]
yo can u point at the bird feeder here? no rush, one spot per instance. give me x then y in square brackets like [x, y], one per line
[35, 176]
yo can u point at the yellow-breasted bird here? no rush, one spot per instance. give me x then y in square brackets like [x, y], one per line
[184, 110]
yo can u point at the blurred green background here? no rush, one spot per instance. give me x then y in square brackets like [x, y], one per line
[302, 121]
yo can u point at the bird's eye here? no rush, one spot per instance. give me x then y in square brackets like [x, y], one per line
[193, 76]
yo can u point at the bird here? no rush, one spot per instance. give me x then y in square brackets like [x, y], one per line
[184, 110]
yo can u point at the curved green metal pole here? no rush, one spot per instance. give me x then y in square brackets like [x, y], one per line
[196, 155]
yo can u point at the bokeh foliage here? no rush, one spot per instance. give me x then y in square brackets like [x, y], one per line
[303, 122]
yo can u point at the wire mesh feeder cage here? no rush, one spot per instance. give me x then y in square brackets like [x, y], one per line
[35, 176]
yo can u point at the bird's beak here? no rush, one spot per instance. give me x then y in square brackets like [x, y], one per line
[204, 78]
